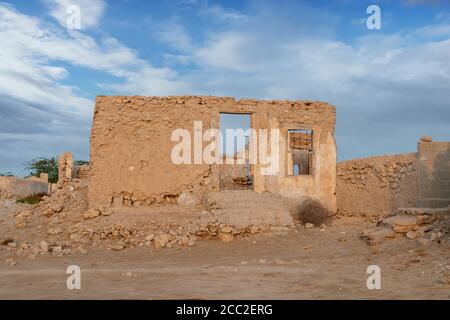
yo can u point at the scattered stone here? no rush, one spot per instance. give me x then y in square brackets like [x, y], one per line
[57, 250]
[188, 199]
[227, 229]
[161, 240]
[412, 235]
[433, 236]
[402, 224]
[254, 229]
[150, 237]
[117, 247]
[184, 240]
[11, 262]
[24, 214]
[106, 212]
[12, 244]
[309, 225]
[377, 235]
[226, 237]
[57, 207]
[20, 225]
[43, 246]
[54, 231]
[48, 212]
[92, 213]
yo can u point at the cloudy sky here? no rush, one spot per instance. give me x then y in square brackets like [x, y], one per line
[390, 86]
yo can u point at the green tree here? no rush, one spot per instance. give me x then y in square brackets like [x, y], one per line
[44, 165]
[80, 162]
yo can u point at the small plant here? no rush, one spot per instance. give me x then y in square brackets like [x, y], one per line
[33, 199]
[6, 174]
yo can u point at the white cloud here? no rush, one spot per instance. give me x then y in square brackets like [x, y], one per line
[39, 114]
[151, 81]
[175, 35]
[91, 11]
[227, 50]
[31, 47]
[218, 12]
[295, 64]
[389, 89]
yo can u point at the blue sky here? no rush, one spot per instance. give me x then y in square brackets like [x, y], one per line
[390, 86]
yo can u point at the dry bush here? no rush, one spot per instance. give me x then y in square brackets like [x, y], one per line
[311, 211]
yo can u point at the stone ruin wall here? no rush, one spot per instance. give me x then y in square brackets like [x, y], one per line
[131, 147]
[377, 186]
[14, 187]
[67, 170]
[81, 171]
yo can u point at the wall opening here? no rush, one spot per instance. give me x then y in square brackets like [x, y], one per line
[236, 170]
[300, 152]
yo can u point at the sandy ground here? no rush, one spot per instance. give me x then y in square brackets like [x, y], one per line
[302, 264]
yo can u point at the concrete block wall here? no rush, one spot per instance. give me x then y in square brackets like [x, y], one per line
[434, 174]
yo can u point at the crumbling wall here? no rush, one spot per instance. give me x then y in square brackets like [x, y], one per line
[434, 173]
[18, 187]
[131, 148]
[81, 171]
[65, 168]
[377, 186]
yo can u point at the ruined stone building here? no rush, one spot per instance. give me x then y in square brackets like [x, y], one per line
[378, 186]
[132, 146]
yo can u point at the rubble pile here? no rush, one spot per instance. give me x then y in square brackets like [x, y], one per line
[62, 224]
[5, 194]
[422, 224]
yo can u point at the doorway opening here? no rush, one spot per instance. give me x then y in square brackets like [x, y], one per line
[236, 172]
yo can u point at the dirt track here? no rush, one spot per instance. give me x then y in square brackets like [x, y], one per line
[310, 264]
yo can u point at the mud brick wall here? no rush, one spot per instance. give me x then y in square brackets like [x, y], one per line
[65, 168]
[18, 187]
[434, 174]
[81, 171]
[131, 147]
[377, 186]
